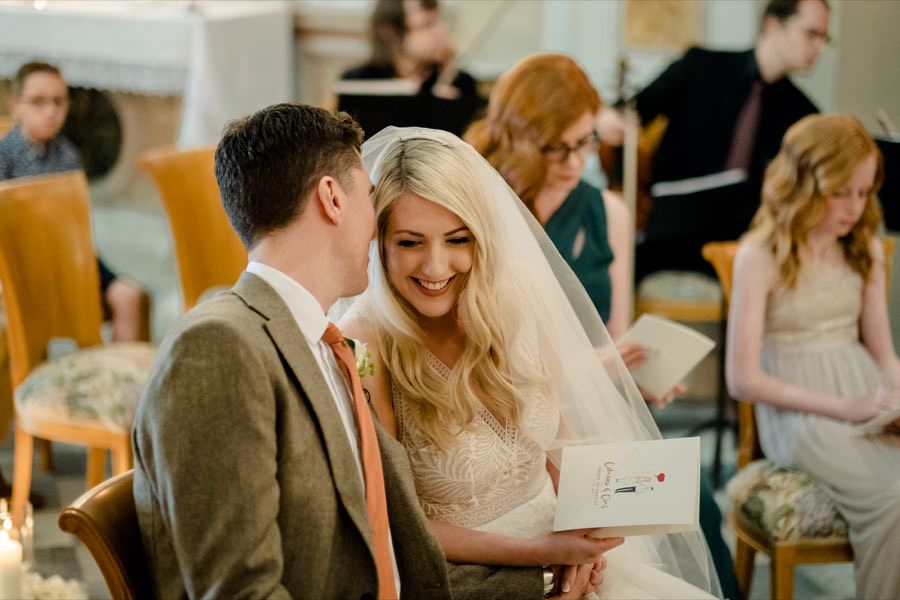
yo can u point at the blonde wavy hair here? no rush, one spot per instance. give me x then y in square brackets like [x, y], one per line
[817, 158]
[497, 368]
[530, 107]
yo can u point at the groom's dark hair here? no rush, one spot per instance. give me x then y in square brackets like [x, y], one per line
[268, 163]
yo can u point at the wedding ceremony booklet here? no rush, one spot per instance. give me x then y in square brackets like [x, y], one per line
[672, 349]
[630, 488]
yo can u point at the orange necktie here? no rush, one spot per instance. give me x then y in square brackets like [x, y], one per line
[376, 499]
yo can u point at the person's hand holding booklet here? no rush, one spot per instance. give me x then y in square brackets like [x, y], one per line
[672, 350]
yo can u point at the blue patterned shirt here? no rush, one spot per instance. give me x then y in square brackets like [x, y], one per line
[21, 158]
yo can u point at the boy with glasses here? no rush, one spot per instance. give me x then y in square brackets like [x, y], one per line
[39, 105]
[36, 146]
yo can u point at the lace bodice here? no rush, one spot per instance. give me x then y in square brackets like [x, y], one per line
[822, 308]
[490, 469]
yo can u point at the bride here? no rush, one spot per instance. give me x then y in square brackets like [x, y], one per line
[483, 343]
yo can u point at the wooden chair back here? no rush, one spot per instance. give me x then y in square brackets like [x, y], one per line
[888, 244]
[48, 268]
[207, 250]
[105, 520]
[721, 256]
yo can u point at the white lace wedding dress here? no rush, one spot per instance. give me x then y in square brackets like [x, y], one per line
[494, 479]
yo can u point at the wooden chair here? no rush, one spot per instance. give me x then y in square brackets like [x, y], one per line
[784, 555]
[105, 520]
[51, 291]
[207, 250]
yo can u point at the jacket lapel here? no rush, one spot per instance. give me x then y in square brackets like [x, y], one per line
[292, 346]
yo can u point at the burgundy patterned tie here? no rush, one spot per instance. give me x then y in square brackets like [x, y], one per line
[744, 137]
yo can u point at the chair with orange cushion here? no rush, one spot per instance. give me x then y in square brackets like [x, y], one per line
[51, 292]
[780, 512]
[207, 250]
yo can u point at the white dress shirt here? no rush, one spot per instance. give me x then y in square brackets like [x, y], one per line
[311, 320]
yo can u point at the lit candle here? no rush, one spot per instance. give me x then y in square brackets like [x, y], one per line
[10, 567]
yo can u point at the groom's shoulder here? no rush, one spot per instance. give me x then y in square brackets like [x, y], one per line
[219, 322]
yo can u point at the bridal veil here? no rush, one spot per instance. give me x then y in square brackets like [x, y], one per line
[599, 401]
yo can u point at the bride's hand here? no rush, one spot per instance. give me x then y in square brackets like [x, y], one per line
[862, 408]
[576, 547]
[577, 581]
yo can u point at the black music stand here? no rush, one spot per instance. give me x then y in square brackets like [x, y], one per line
[376, 104]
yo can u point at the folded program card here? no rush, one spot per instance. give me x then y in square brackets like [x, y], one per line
[630, 488]
[877, 425]
[672, 349]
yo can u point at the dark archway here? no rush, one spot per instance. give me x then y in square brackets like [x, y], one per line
[94, 127]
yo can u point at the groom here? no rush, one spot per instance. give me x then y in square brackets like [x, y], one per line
[258, 469]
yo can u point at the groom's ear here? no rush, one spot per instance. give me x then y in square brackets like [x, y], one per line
[330, 198]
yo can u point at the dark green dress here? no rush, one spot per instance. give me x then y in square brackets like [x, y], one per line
[578, 230]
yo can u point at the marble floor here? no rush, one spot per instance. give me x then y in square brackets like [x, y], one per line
[134, 240]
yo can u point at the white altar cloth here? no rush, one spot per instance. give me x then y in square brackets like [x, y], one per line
[226, 59]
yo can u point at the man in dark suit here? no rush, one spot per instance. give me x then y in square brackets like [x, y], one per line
[727, 113]
[252, 476]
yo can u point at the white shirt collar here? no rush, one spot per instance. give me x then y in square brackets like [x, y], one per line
[305, 309]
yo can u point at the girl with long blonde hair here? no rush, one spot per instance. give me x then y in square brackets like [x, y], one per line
[809, 339]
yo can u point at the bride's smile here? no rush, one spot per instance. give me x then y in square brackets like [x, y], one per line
[428, 249]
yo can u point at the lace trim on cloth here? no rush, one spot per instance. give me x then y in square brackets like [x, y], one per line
[506, 431]
[490, 470]
[437, 364]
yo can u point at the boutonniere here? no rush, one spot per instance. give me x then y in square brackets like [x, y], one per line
[364, 364]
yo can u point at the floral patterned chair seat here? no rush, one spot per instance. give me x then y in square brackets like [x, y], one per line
[97, 386]
[786, 504]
